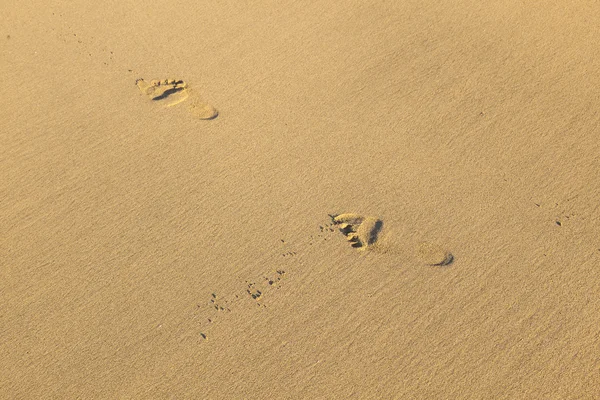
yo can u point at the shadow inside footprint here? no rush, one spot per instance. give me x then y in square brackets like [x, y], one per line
[369, 230]
[167, 93]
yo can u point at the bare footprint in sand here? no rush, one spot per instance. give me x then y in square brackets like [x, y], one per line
[171, 92]
[360, 231]
[364, 233]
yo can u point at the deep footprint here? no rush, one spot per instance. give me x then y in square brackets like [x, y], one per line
[363, 232]
[170, 92]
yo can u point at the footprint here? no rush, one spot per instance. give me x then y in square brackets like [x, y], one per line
[170, 92]
[361, 231]
[167, 92]
[433, 254]
[364, 233]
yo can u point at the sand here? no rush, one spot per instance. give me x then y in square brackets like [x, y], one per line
[177, 240]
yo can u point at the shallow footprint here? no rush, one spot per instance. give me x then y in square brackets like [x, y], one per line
[433, 254]
[170, 92]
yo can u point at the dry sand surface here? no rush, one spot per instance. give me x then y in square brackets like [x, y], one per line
[151, 249]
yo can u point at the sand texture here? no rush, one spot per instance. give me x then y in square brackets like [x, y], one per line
[300, 200]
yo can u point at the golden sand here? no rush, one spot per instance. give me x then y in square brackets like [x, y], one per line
[152, 247]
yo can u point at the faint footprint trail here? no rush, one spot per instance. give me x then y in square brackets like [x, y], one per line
[171, 92]
[254, 293]
[364, 234]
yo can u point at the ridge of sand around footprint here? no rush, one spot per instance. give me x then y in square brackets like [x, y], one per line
[171, 92]
[363, 232]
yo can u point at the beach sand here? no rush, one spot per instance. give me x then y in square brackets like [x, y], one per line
[179, 240]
